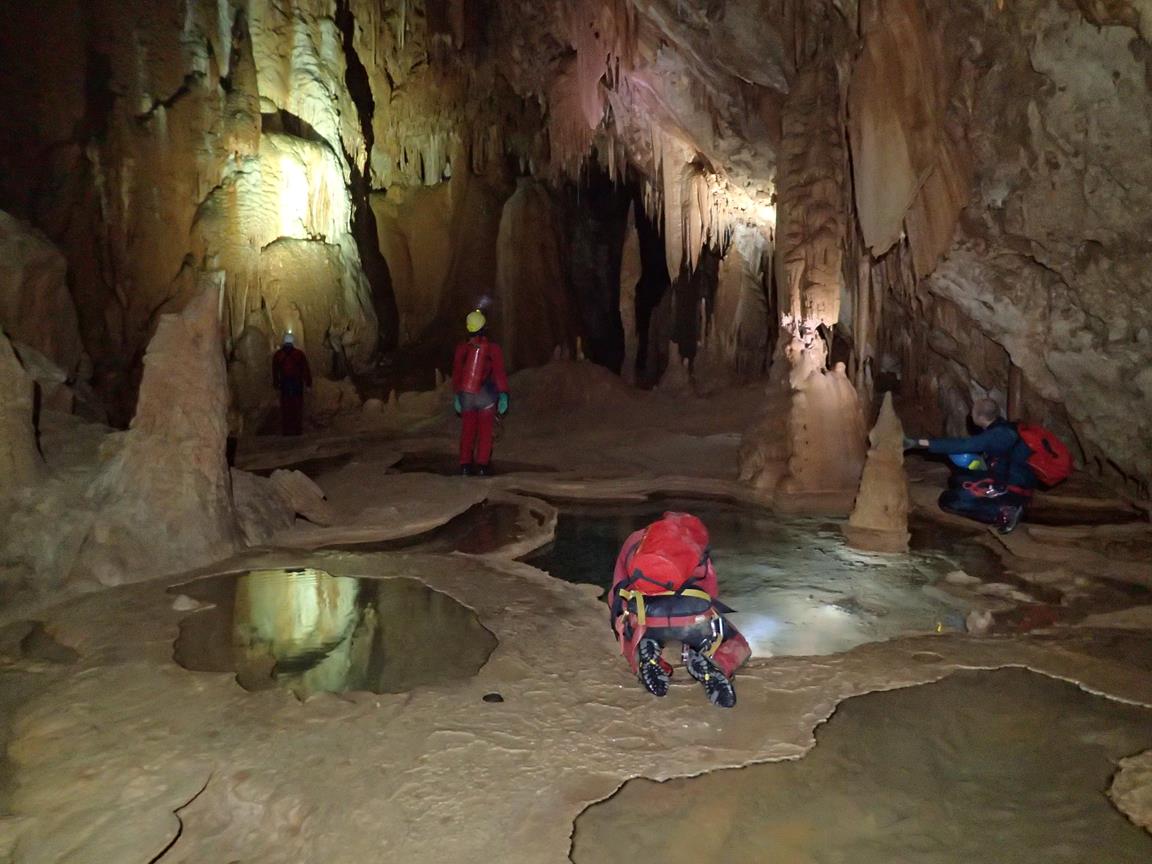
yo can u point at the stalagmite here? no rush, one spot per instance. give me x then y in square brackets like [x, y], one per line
[807, 452]
[879, 521]
[164, 502]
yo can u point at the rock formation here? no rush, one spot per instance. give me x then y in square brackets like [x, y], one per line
[807, 452]
[20, 462]
[35, 306]
[163, 504]
[879, 520]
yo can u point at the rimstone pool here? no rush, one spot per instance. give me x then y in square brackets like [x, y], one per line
[308, 631]
[797, 588]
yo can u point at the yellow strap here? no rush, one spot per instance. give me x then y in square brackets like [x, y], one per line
[642, 613]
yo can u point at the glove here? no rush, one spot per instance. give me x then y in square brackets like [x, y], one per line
[911, 443]
[456, 406]
[502, 404]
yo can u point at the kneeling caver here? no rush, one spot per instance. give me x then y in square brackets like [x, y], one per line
[665, 589]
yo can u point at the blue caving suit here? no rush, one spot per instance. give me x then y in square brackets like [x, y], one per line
[983, 497]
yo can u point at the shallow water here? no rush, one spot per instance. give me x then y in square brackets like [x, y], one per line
[308, 631]
[797, 588]
[1004, 766]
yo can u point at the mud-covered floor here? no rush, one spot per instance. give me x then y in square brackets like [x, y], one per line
[117, 753]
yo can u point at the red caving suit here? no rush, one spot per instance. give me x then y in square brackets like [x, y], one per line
[290, 375]
[678, 548]
[478, 378]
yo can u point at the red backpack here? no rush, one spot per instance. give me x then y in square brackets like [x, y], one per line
[1051, 460]
[668, 555]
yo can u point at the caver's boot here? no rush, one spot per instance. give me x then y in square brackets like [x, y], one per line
[1009, 518]
[716, 684]
[652, 671]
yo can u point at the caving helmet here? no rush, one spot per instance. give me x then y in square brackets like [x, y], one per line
[476, 321]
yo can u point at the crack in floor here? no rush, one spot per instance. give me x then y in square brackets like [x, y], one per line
[180, 831]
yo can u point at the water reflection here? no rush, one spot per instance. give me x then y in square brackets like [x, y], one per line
[309, 631]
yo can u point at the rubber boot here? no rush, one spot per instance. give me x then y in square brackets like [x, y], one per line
[716, 684]
[650, 668]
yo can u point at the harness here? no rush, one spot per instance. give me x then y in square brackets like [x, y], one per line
[632, 616]
[989, 488]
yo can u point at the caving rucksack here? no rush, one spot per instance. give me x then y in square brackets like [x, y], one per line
[668, 555]
[1050, 460]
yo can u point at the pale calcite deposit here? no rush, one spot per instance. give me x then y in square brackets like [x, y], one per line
[879, 520]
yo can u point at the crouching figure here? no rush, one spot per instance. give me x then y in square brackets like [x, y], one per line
[665, 590]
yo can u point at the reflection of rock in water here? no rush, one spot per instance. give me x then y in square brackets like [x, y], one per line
[310, 631]
[982, 767]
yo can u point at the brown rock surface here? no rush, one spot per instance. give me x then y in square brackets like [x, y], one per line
[35, 306]
[20, 462]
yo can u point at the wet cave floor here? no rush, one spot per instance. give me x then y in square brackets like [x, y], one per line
[1005, 766]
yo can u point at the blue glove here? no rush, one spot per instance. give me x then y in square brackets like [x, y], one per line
[502, 404]
[456, 406]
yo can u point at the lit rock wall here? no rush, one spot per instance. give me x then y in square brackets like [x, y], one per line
[159, 171]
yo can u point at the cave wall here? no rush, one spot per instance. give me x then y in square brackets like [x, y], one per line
[960, 187]
[1028, 153]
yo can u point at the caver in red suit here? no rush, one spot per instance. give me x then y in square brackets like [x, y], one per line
[481, 387]
[665, 589]
[290, 375]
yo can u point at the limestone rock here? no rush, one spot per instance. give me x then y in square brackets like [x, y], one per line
[261, 510]
[1131, 789]
[677, 377]
[304, 496]
[163, 503]
[879, 520]
[631, 270]
[20, 461]
[533, 306]
[978, 622]
[36, 307]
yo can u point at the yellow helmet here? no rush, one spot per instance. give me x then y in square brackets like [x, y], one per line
[476, 321]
